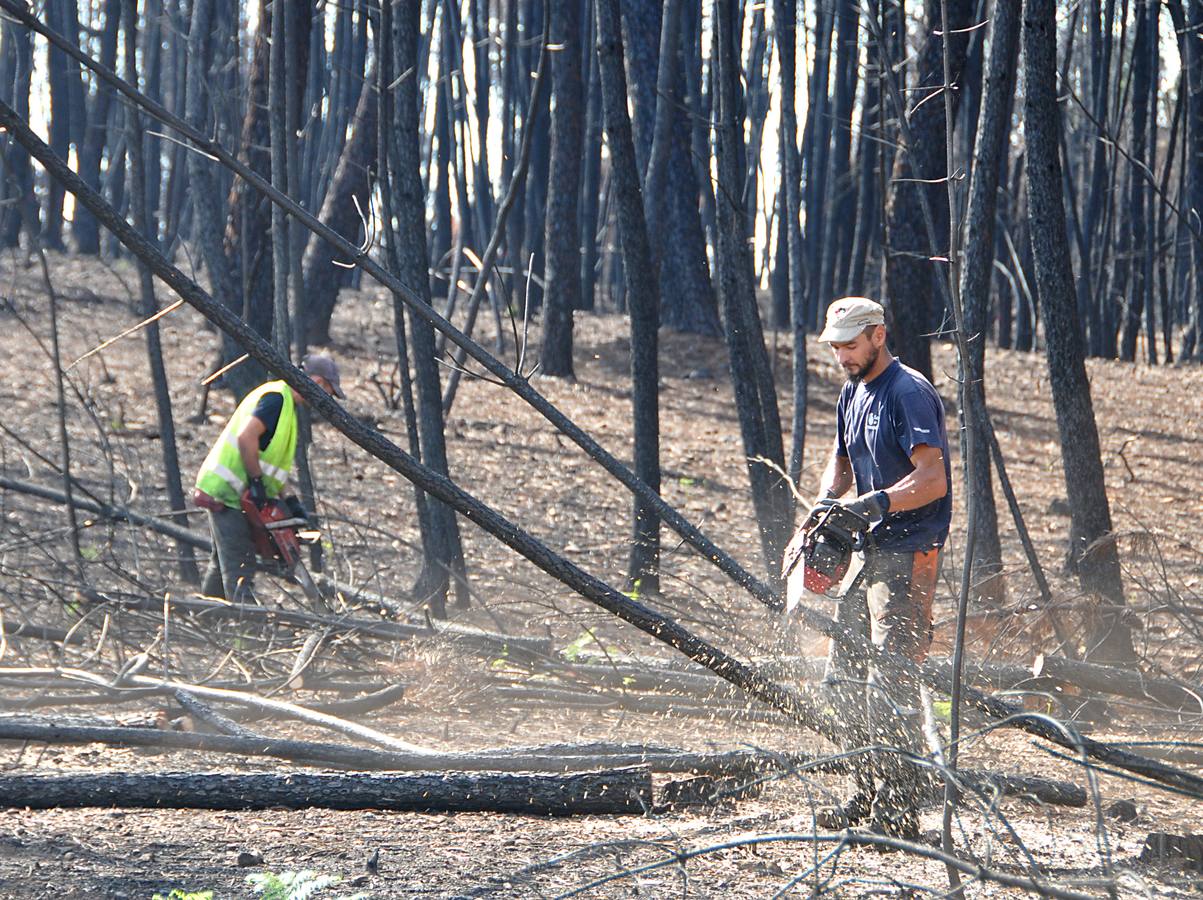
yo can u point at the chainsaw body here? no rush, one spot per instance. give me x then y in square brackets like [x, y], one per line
[274, 534]
[824, 546]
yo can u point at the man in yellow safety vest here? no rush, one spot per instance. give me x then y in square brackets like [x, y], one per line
[254, 453]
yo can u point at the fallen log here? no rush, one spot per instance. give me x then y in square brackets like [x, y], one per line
[271, 706]
[617, 792]
[207, 714]
[443, 488]
[1115, 680]
[40, 632]
[489, 644]
[554, 758]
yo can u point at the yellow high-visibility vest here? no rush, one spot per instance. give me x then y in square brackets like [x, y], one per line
[223, 476]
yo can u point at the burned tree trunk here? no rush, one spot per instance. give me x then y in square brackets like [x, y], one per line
[347, 200]
[562, 273]
[84, 227]
[751, 375]
[443, 556]
[247, 242]
[17, 55]
[149, 306]
[1092, 550]
[642, 295]
[994, 129]
[617, 792]
[909, 269]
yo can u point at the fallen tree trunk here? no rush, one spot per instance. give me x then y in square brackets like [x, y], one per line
[487, 643]
[551, 758]
[618, 792]
[40, 633]
[1114, 680]
[242, 698]
[588, 586]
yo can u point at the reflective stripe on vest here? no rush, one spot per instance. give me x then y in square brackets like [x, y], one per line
[223, 476]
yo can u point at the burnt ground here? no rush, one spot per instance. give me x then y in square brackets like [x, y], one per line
[1149, 418]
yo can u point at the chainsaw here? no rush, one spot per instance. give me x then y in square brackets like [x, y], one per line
[824, 546]
[277, 531]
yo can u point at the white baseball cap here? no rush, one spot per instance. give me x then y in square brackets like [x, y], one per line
[849, 316]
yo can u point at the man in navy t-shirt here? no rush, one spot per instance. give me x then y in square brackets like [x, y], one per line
[891, 449]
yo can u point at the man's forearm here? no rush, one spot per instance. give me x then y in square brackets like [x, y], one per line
[916, 490]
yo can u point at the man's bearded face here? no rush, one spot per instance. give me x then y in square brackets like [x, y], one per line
[857, 357]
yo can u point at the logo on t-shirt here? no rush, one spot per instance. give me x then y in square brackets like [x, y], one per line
[871, 422]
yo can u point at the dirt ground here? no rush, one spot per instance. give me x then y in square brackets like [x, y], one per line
[503, 452]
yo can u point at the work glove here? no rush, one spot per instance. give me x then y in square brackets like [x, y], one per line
[258, 492]
[871, 506]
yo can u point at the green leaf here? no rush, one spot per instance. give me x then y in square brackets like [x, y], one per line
[89, 553]
[687, 482]
[573, 651]
[943, 710]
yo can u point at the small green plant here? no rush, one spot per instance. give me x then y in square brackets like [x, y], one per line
[89, 553]
[573, 651]
[181, 894]
[294, 885]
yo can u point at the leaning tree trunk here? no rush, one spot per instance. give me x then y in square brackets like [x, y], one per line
[443, 556]
[562, 274]
[642, 295]
[994, 131]
[347, 200]
[751, 375]
[909, 269]
[1092, 549]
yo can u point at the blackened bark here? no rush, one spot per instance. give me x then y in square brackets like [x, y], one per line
[671, 204]
[1092, 549]
[1192, 343]
[443, 551]
[785, 13]
[562, 236]
[348, 198]
[590, 200]
[994, 129]
[1134, 221]
[909, 269]
[839, 221]
[247, 241]
[18, 71]
[751, 375]
[148, 305]
[642, 295]
[84, 228]
[60, 123]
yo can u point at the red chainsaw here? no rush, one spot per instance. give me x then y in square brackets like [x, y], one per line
[278, 529]
[824, 546]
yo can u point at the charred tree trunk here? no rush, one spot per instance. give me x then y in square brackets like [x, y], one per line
[1135, 220]
[909, 269]
[17, 74]
[1092, 549]
[443, 553]
[247, 243]
[751, 374]
[348, 198]
[149, 306]
[785, 14]
[563, 269]
[590, 200]
[994, 129]
[84, 227]
[643, 570]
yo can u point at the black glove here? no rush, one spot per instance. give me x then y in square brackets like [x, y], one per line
[258, 492]
[870, 506]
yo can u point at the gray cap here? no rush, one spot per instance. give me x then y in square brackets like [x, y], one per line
[849, 316]
[323, 366]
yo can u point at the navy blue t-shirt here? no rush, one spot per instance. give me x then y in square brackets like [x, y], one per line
[878, 427]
